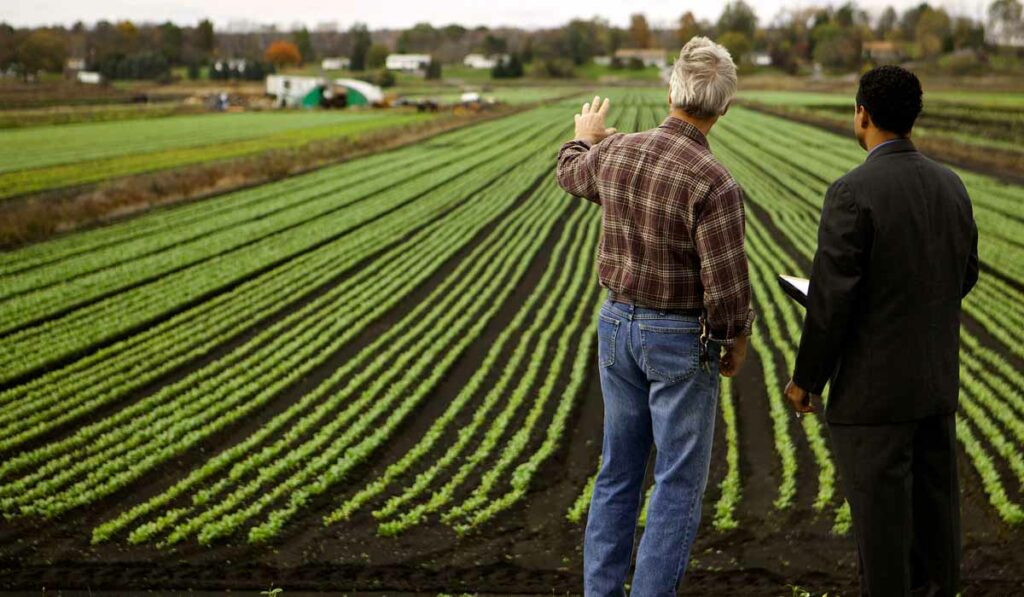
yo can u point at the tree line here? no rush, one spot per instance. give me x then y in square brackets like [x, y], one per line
[833, 37]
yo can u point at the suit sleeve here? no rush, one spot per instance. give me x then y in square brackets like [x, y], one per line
[577, 169]
[836, 273]
[971, 275]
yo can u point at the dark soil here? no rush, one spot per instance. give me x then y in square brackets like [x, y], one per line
[529, 549]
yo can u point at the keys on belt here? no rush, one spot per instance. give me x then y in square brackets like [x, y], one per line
[703, 341]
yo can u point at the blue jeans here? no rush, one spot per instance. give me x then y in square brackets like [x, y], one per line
[654, 390]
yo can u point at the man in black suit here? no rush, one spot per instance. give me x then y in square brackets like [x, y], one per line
[897, 251]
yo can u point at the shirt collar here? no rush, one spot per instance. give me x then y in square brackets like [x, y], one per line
[898, 144]
[680, 126]
[883, 144]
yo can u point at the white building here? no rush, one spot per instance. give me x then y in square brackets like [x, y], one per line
[407, 62]
[481, 61]
[289, 90]
[602, 60]
[237, 64]
[760, 58]
[89, 77]
[648, 56]
[337, 63]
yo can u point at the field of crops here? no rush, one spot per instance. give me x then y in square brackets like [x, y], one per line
[983, 129]
[992, 121]
[49, 157]
[382, 375]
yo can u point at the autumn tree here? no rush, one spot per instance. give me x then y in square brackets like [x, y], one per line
[42, 50]
[639, 31]
[282, 53]
[932, 32]
[688, 28]
[129, 36]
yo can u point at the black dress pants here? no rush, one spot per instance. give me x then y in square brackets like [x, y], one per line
[901, 482]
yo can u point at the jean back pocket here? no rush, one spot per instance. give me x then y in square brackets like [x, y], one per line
[670, 349]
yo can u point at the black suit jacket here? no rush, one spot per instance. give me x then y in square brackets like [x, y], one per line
[897, 251]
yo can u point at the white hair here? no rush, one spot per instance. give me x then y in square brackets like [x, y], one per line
[703, 79]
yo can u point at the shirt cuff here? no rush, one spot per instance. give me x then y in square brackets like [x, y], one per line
[746, 330]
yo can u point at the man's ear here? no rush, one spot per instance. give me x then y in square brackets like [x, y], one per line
[863, 117]
[726, 110]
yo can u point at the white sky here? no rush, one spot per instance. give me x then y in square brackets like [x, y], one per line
[403, 13]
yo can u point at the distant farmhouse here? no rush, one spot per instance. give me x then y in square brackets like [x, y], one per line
[89, 77]
[407, 62]
[74, 68]
[648, 56]
[481, 61]
[338, 63]
[883, 52]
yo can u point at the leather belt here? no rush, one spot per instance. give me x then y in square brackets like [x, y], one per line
[620, 299]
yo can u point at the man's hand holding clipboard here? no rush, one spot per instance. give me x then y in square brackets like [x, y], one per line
[803, 401]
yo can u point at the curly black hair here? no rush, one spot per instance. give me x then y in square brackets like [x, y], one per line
[892, 96]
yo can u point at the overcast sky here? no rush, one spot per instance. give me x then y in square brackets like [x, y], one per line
[403, 13]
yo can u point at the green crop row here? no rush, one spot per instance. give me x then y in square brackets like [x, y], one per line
[243, 457]
[53, 339]
[780, 183]
[483, 412]
[201, 399]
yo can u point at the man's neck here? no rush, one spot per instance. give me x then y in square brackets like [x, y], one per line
[703, 124]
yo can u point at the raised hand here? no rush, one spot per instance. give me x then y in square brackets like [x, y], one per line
[590, 121]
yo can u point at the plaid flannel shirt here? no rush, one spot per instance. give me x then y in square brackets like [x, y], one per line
[672, 222]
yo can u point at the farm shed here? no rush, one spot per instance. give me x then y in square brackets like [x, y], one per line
[359, 93]
[311, 91]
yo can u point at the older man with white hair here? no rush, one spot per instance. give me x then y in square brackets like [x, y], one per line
[672, 258]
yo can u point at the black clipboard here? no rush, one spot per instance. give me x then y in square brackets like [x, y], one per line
[796, 288]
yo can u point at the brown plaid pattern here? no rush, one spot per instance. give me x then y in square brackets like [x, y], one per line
[672, 222]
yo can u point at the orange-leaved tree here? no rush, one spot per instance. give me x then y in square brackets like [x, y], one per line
[281, 53]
